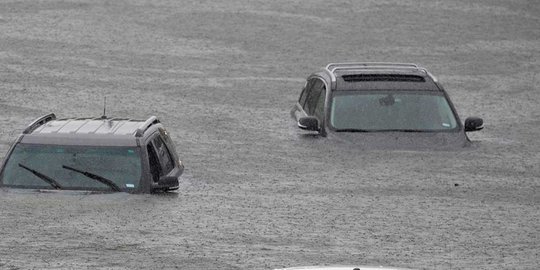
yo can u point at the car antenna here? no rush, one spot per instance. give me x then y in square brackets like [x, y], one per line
[104, 116]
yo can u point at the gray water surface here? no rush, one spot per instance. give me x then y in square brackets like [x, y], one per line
[256, 193]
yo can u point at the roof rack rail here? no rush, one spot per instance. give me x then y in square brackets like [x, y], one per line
[38, 122]
[152, 120]
[333, 67]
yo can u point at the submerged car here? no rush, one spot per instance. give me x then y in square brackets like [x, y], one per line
[343, 268]
[93, 154]
[393, 105]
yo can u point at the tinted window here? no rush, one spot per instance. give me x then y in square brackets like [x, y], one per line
[319, 108]
[155, 166]
[168, 141]
[164, 156]
[313, 96]
[303, 96]
[383, 77]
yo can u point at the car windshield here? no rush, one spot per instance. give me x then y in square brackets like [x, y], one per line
[416, 111]
[35, 166]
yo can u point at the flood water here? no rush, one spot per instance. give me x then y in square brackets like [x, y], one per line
[256, 192]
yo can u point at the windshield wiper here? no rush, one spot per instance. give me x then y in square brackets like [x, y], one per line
[380, 130]
[403, 130]
[95, 177]
[43, 177]
[353, 130]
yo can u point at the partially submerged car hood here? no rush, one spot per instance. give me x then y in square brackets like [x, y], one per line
[403, 140]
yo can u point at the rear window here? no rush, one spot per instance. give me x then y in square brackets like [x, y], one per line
[383, 77]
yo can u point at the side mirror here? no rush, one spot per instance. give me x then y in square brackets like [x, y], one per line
[474, 124]
[309, 123]
[167, 183]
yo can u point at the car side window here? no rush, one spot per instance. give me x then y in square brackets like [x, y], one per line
[313, 96]
[303, 96]
[155, 166]
[306, 93]
[319, 108]
[163, 155]
[168, 141]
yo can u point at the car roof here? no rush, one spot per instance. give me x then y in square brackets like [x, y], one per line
[379, 76]
[100, 131]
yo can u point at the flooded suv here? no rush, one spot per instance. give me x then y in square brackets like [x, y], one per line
[381, 105]
[93, 154]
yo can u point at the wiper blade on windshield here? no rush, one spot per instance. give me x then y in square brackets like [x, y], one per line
[43, 177]
[403, 130]
[95, 177]
[353, 130]
[380, 130]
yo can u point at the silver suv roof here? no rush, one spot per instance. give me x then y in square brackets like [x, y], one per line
[86, 131]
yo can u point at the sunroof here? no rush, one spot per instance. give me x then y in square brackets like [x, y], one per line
[383, 77]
